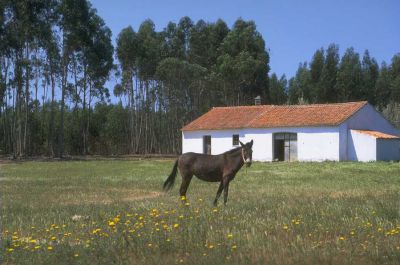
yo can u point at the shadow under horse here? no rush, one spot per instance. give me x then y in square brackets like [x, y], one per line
[212, 168]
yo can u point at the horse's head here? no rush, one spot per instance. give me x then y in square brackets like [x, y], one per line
[247, 152]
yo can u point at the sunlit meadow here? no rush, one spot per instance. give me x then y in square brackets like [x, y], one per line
[114, 212]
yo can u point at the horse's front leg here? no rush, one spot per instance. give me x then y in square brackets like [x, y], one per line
[220, 188]
[226, 188]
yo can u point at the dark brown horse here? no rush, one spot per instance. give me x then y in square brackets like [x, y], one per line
[213, 168]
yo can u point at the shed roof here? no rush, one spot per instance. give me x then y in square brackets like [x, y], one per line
[269, 116]
[376, 134]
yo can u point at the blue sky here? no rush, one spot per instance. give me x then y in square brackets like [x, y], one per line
[293, 30]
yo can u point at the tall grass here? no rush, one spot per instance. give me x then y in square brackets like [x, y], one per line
[113, 212]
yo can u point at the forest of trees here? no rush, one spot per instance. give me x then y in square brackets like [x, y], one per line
[329, 78]
[56, 57]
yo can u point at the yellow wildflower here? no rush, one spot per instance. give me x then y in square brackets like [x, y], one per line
[234, 247]
[230, 236]
[341, 238]
[49, 248]
[176, 225]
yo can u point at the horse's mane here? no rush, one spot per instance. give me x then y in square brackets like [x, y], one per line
[233, 150]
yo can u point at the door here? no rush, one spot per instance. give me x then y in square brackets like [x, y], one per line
[279, 150]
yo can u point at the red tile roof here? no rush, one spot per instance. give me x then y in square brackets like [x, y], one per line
[267, 116]
[378, 135]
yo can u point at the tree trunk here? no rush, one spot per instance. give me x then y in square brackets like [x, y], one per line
[27, 95]
[52, 113]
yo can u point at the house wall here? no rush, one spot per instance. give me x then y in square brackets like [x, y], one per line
[388, 149]
[313, 143]
[343, 142]
[367, 118]
[361, 147]
[221, 141]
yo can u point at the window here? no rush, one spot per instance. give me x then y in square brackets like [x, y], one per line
[207, 144]
[235, 139]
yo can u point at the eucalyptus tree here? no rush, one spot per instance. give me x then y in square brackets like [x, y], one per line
[383, 86]
[316, 67]
[98, 62]
[172, 45]
[243, 64]
[184, 31]
[127, 53]
[395, 76]
[370, 74]
[181, 90]
[74, 18]
[299, 86]
[329, 92]
[277, 89]
[349, 77]
[150, 47]
[86, 61]
[26, 27]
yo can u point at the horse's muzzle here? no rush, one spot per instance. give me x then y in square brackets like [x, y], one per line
[248, 162]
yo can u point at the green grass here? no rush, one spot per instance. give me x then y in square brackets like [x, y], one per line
[277, 213]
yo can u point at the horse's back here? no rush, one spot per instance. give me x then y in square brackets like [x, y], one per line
[203, 166]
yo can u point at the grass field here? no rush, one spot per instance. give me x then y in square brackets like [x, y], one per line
[114, 212]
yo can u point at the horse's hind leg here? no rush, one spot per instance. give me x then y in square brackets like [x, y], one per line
[186, 178]
[221, 186]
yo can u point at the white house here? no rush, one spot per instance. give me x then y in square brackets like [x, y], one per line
[338, 132]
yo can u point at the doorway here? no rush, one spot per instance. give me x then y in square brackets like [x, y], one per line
[285, 146]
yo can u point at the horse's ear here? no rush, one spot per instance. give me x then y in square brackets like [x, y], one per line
[251, 143]
[241, 144]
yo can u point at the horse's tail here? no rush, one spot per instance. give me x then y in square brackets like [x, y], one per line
[169, 183]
